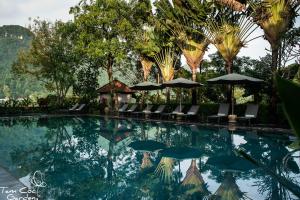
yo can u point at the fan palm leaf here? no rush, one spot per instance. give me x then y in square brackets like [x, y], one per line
[228, 190]
[275, 17]
[166, 61]
[229, 37]
[164, 169]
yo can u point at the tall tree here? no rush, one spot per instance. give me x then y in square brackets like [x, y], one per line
[105, 28]
[166, 61]
[275, 17]
[51, 57]
[229, 37]
[144, 42]
[187, 31]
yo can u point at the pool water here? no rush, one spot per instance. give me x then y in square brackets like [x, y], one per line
[97, 158]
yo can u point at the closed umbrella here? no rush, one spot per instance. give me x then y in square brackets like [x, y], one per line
[235, 79]
[181, 83]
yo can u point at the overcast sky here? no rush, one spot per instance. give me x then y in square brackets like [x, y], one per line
[19, 11]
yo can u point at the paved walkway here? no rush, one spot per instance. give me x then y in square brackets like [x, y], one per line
[12, 188]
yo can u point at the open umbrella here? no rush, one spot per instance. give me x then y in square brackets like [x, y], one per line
[181, 83]
[146, 86]
[147, 145]
[181, 153]
[235, 79]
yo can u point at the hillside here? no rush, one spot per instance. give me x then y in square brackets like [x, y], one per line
[12, 39]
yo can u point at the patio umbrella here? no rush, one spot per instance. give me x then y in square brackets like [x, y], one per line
[147, 145]
[181, 83]
[146, 86]
[235, 79]
[181, 153]
[230, 163]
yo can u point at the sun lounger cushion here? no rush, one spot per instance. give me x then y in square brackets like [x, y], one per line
[249, 116]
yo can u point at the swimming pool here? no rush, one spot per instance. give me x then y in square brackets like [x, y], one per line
[97, 158]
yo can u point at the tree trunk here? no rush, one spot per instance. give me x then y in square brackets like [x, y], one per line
[273, 95]
[168, 95]
[110, 79]
[194, 90]
[229, 87]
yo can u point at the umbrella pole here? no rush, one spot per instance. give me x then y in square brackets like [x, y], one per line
[232, 99]
[180, 99]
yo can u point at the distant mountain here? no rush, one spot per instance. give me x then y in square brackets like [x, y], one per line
[12, 39]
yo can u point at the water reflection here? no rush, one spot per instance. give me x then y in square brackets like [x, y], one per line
[92, 158]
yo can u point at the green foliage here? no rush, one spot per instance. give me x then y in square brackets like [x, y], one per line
[86, 84]
[108, 44]
[12, 39]
[51, 57]
[290, 94]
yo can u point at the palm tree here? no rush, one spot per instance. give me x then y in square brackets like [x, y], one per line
[233, 4]
[165, 169]
[228, 190]
[146, 161]
[194, 180]
[275, 17]
[166, 61]
[186, 25]
[192, 47]
[229, 37]
[146, 48]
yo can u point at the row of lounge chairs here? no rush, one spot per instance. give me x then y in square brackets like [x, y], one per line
[77, 107]
[223, 111]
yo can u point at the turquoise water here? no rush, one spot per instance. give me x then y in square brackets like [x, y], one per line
[94, 158]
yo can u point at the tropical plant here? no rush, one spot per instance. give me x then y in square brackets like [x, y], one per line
[228, 190]
[229, 37]
[164, 169]
[166, 61]
[194, 180]
[290, 93]
[275, 17]
[146, 162]
[105, 33]
[233, 4]
[146, 48]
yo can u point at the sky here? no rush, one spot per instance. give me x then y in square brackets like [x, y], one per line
[18, 12]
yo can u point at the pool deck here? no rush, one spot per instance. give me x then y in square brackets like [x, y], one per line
[11, 186]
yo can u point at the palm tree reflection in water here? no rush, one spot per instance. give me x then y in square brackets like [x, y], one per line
[90, 159]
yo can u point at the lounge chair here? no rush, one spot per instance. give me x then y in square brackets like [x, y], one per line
[123, 108]
[178, 109]
[146, 110]
[74, 107]
[251, 113]
[222, 112]
[192, 111]
[80, 108]
[159, 110]
[131, 109]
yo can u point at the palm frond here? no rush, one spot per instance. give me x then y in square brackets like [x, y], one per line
[166, 61]
[164, 169]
